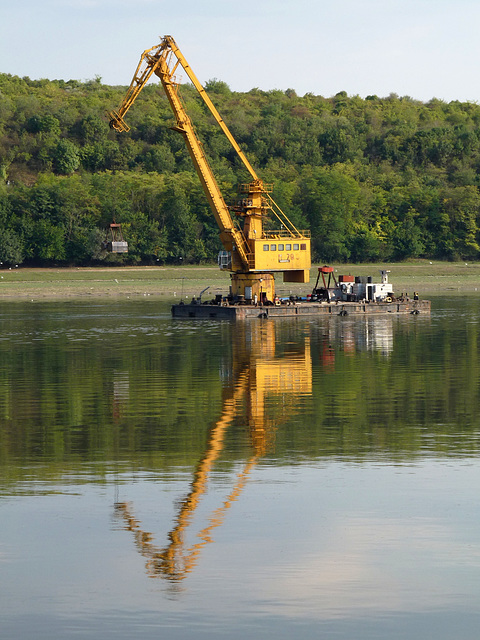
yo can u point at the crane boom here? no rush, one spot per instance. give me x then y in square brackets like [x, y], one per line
[156, 60]
[210, 105]
[252, 267]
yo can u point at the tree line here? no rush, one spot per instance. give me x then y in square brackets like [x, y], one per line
[374, 179]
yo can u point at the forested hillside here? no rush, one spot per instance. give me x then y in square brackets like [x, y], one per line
[374, 179]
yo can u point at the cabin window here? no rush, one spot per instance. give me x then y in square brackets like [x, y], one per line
[288, 247]
[295, 247]
[281, 247]
[303, 247]
[266, 247]
[273, 247]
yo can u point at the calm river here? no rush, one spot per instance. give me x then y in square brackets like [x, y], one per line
[190, 480]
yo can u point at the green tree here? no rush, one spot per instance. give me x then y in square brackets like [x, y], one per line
[183, 227]
[92, 129]
[11, 247]
[462, 207]
[330, 200]
[66, 157]
[407, 237]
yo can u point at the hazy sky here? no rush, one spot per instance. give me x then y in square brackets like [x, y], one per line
[420, 48]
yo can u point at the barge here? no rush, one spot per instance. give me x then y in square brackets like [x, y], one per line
[241, 312]
[345, 296]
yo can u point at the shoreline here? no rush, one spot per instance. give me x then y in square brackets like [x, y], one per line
[179, 282]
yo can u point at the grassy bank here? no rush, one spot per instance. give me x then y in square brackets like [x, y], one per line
[173, 283]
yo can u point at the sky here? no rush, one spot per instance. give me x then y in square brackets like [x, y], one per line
[419, 48]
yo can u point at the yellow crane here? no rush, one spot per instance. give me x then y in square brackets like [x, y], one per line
[251, 252]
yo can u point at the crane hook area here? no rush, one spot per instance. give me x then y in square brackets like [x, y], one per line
[114, 241]
[117, 122]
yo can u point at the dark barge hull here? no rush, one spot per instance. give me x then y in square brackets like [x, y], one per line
[303, 309]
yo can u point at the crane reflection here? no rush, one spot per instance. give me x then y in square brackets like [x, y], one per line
[257, 371]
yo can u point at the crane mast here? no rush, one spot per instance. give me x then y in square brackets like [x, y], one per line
[254, 254]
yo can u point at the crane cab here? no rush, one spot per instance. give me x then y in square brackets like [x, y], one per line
[284, 253]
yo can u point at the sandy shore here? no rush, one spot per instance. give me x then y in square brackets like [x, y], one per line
[175, 283]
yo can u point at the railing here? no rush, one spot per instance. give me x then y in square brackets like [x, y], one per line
[283, 233]
[246, 187]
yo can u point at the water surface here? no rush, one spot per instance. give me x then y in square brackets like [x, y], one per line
[195, 479]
